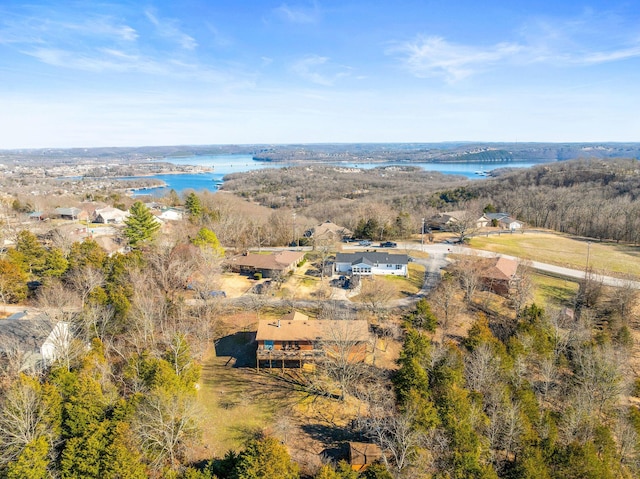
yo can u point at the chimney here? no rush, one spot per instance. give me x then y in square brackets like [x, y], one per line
[278, 323]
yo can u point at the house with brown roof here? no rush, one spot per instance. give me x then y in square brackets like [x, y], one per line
[109, 215]
[328, 232]
[268, 265]
[296, 339]
[363, 454]
[498, 274]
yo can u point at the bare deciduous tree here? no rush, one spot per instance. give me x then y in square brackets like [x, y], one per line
[346, 352]
[24, 417]
[445, 304]
[376, 292]
[165, 425]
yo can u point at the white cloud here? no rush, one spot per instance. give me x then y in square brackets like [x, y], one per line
[610, 56]
[298, 14]
[436, 57]
[168, 28]
[319, 70]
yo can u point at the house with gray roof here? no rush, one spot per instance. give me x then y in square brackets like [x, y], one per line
[29, 342]
[369, 263]
[71, 213]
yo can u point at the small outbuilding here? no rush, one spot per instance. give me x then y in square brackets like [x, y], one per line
[363, 454]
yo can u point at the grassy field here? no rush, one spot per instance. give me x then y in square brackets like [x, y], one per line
[558, 291]
[611, 258]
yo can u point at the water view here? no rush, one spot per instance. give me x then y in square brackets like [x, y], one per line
[226, 164]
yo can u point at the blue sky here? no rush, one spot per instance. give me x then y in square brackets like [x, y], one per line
[128, 73]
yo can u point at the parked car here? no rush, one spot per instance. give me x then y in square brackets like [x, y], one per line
[388, 244]
[364, 243]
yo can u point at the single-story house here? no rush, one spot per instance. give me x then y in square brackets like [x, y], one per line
[328, 231]
[269, 265]
[446, 221]
[31, 341]
[71, 213]
[296, 339]
[371, 262]
[171, 214]
[498, 274]
[363, 454]
[504, 221]
[109, 214]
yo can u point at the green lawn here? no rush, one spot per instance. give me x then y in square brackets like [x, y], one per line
[549, 289]
[565, 251]
[409, 285]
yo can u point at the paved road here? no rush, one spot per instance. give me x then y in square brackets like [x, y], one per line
[438, 252]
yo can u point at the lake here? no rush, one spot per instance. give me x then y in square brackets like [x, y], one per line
[225, 164]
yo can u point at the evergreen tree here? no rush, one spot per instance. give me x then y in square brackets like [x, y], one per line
[32, 462]
[265, 458]
[208, 239]
[13, 282]
[141, 225]
[55, 263]
[29, 254]
[193, 205]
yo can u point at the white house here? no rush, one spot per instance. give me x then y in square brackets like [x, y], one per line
[171, 214]
[372, 262]
[505, 221]
[32, 342]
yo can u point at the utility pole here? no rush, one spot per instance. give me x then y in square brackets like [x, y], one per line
[294, 228]
[422, 236]
[586, 268]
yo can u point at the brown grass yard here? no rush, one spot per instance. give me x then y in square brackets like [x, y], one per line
[562, 250]
[238, 403]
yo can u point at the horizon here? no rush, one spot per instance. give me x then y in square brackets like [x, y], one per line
[121, 75]
[328, 143]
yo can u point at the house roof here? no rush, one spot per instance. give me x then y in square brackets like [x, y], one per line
[508, 220]
[277, 261]
[111, 212]
[503, 269]
[496, 216]
[24, 334]
[328, 229]
[372, 257]
[296, 326]
[362, 453]
[72, 211]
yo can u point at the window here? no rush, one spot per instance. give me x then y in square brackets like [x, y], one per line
[268, 344]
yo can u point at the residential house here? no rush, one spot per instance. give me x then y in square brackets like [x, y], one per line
[446, 221]
[504, 221]
[109, 215]
[171, 214]
[295, 339]
[71, 213]
[268, 265]
[328, 232]
[31, 341]
[371, 263]
[498, 274]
